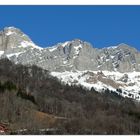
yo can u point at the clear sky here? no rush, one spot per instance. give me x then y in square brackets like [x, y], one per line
[102, 26]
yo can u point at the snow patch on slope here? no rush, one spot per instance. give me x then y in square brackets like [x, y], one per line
[51, 49]
[79, 78]
[9, 33]
[77, 49]
[1, 53]
[26, 44]
[103, 80]
[14, 54]
[112, 47]
[65, 44]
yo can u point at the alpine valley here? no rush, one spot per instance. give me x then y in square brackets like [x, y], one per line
[69, 88]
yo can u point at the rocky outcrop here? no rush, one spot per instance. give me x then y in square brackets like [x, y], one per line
[11, 38]
[68, 56]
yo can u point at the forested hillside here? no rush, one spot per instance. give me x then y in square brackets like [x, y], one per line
[32, 100]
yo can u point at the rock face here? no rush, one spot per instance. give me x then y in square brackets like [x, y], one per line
[69, 56]
[116, 68]
[12, 37]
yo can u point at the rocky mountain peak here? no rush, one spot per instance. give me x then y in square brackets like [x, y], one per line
[77, 41]
[70, 55]
[74, 56]
[14, 40]
[125, 47]
[12, 30]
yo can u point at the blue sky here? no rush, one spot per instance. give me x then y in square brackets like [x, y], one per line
[102, 26]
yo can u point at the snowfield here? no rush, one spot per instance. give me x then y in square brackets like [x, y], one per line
[128, 83]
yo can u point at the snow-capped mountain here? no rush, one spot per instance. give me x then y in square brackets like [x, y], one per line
[67, 56]
[77, 62]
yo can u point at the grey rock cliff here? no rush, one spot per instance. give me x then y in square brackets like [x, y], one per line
[12, 37]
[69, 56]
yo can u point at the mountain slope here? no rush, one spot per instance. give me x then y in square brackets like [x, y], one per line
[71, 55]
[33, 102]
[125, 84]
[78, 62]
